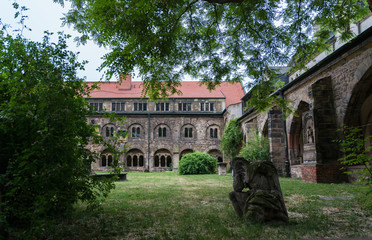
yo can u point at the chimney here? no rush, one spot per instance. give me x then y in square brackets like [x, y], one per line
[125, 82]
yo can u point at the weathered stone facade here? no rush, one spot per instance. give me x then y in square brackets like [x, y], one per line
[161, 133]
[335, 92]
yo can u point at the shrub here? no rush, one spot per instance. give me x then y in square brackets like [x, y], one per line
[256, 149]
[356, 152]
[197, 163]
[232, 138]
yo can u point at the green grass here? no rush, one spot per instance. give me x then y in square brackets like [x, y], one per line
[170, 206]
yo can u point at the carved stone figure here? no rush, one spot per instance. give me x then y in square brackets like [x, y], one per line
[263, 202]
[310, 134]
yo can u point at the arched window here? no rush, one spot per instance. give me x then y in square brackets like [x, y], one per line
[109, 160]
[135, 158]
[103, 160]
[141, 161]
[162, 132]
[188, 132]
[129, 161]
[215, 133]
[136, 132]
[211, 133]
[156, 161]
[135, 161]
[112, 131]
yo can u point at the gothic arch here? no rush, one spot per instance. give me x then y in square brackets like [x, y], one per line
[108, 130]
[359, 108]
[295, 140]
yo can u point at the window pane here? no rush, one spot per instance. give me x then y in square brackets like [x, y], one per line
[138, 132]
[162, 106]
[211, 133]
[96, 106]
[135, 160]
[145, 107]
[167, 107]
[157, 107]
[139, 106]
[190, 132]
[160, 132]
[103, 161]
[212, 107]
[202, 107]
[179, 106]
[107, 132]
[112, 131]
[100, 107]
[207, 107]
[164, 132]
[129, 161]
[189, 107]
[133, 132]
[109, 160]
[118, 107]
[184, 107]
[215, 133]
[186, 132]
[113, 107]
[122, 107]
[135, 106]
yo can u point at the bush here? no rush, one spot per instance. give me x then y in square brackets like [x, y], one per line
[256, 149]
[197, 163]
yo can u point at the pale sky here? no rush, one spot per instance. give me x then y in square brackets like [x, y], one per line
[45, 15]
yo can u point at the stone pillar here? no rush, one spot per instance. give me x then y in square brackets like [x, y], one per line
[320, 161]
[176, 157]
[276, 139]
[221, 166]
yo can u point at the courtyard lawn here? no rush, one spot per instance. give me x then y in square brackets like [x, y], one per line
[170, 206]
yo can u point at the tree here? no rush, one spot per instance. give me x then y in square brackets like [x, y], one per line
[232, 139]
[45, 167]
[214, 40]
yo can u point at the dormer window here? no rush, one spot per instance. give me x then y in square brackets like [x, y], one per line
[162, 107]
[207, 107]
[184, 107]
[140, 107]
[97, 106]
[118, 106]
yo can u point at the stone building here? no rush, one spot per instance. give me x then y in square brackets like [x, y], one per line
[160, 133]
[335, 91]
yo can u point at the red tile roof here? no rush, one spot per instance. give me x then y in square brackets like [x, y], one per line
[190, 89]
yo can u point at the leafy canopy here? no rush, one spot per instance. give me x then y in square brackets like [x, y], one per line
[213, 40]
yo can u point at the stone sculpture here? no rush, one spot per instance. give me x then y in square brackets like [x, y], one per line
[263, 202]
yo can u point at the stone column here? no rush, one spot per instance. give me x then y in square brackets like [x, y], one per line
[276, 138]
